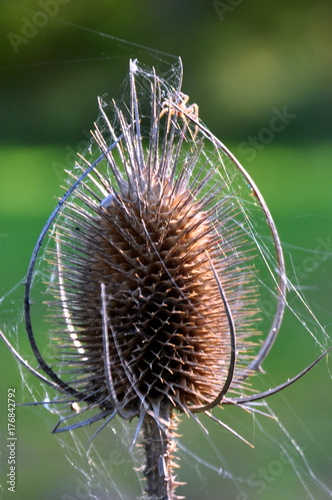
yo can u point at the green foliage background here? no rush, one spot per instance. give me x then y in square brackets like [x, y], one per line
[242, 60]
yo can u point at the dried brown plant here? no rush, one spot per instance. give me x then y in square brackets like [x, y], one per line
[152, 284]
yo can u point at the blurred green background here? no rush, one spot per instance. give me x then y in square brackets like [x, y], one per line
[245, 63]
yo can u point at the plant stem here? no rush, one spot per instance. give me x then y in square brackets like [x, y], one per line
[159, 447]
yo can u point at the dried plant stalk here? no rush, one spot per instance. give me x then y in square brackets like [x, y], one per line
[139, 283]
[159, 448]
[152, 279]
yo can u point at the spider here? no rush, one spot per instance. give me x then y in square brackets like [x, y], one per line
[179, 107]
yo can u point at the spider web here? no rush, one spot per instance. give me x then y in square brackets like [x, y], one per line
[283, 463]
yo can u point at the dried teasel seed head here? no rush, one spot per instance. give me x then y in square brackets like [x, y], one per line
[153, 273]
[168, 331]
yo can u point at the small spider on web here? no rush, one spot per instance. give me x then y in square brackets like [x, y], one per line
[177, 105]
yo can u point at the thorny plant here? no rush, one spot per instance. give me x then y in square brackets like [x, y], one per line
[152, 285]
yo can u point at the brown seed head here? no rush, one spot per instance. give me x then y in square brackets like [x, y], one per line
[150, 268]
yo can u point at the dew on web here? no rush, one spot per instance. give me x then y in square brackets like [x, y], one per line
[110, 457]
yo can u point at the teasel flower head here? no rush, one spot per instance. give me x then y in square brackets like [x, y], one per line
[152, 283]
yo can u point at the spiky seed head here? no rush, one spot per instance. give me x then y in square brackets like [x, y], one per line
[148, 261]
